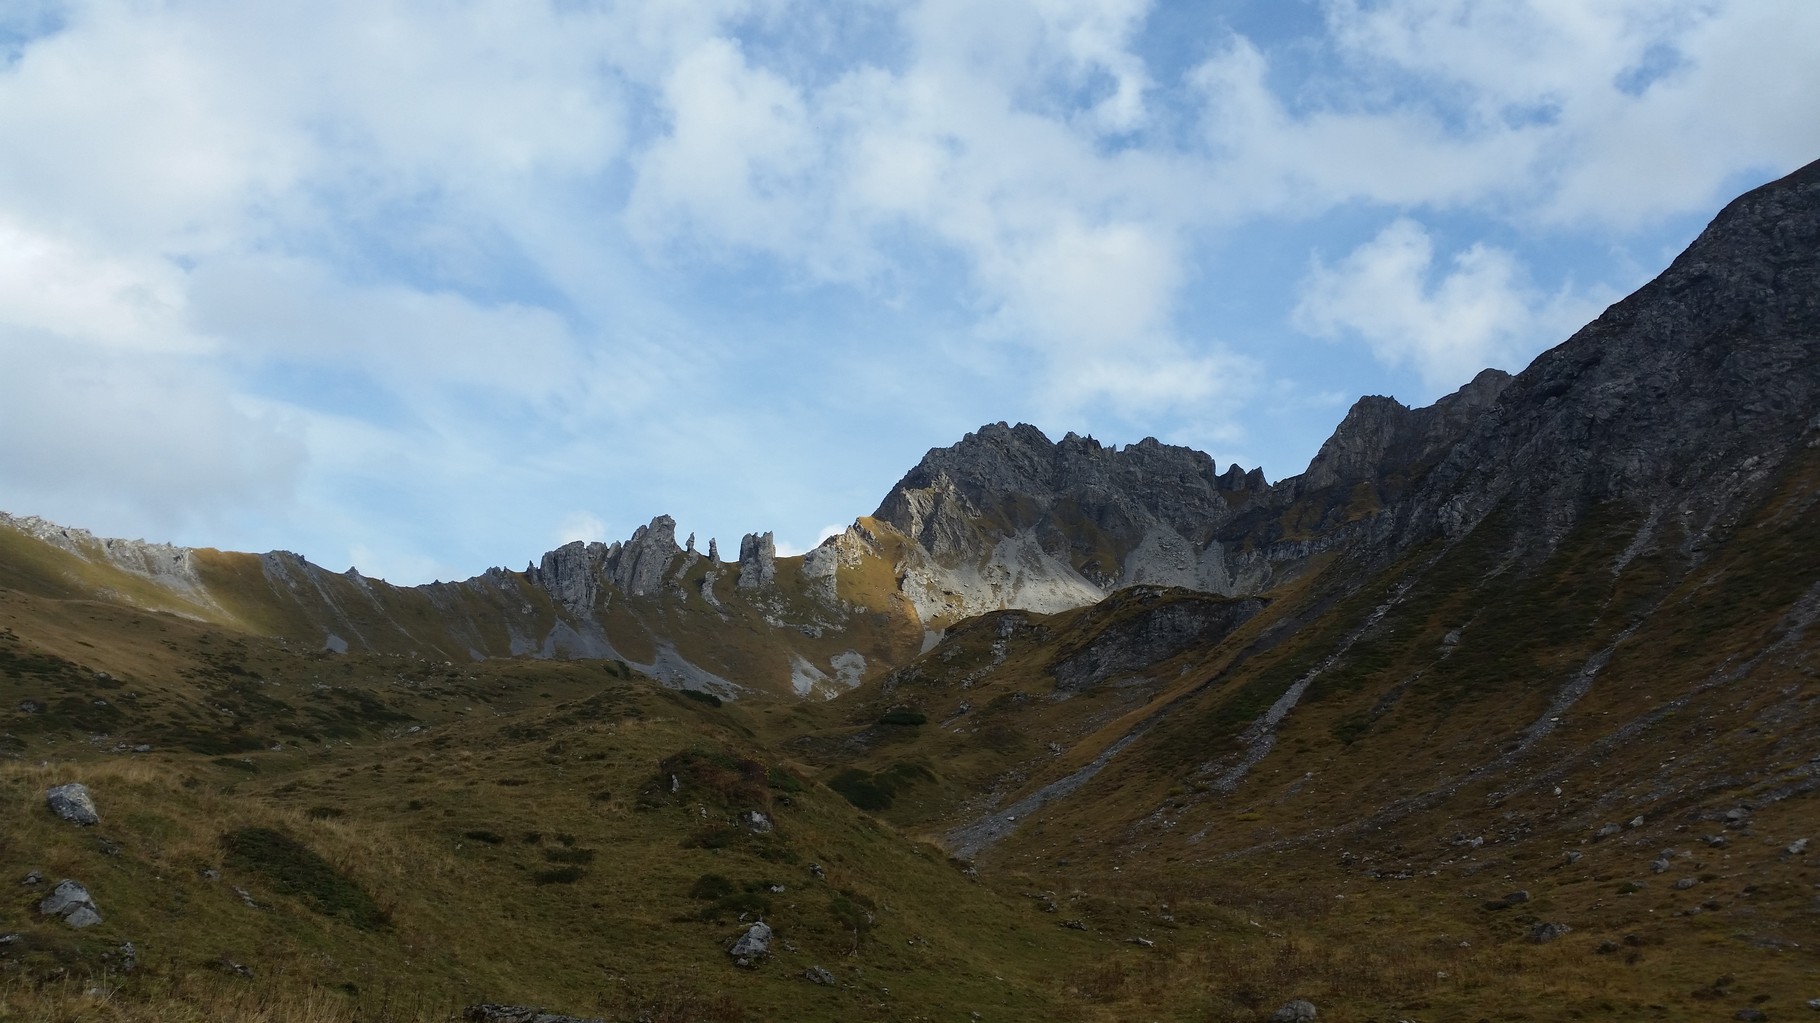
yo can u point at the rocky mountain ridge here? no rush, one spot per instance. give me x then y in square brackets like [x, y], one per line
[1682, 399]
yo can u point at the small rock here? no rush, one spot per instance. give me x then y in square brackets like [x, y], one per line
[752, 945]
[1685, 883]
[1074, 925]
[1517, 897]
[1636, 822]
[1573, 856]
[1143, 942]
[71, 901]
[1606, 947]
[757, 823]
[30, 707]
[35, 877]
[72, 802]
[11, 938]
[1737, 817]
[1543, 933]
[129, 957]
[1606, 832]
[1814, 1004]
[1299, 1011]
[1717, 841]
[1797, 847]
[210, 874]
[1658, 866]
[818, 975]
[816, 870]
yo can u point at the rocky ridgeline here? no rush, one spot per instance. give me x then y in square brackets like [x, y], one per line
[582, 576]
[1685, 400]
[168, 565]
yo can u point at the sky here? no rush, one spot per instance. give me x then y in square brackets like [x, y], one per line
[425, 288]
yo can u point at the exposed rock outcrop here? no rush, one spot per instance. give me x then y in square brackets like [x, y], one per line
[71, 901]
[757, 561]
[637, 567]
[1381, 438]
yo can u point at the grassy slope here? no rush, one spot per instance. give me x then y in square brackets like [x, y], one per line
[454, 797]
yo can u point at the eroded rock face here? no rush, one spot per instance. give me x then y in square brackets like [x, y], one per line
[757, 561]
[1381, 437]
[638, 566]
[1683, 399]
[1083, 501]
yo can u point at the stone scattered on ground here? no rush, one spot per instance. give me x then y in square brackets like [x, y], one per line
[1606, 832]
[818, 975]
[35, 877]
[1543, 933]
[1685, 883]
[758, 823]
[751, 946]
[1299, 1011]
[72, 802]
[486, 1013]
[1797, 847]
[71, 901]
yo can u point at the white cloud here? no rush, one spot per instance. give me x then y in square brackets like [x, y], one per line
[580, 525]
[736, 161]
[1447, 322]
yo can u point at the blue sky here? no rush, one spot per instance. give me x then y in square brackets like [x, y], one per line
[426, 288]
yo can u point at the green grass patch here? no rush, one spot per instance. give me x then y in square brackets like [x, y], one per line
[293, 869]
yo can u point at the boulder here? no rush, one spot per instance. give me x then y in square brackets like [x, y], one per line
[818, 975]
[1299, 1011]
[71, 901]
[72, 802]
[1544, 933]
[751, 946]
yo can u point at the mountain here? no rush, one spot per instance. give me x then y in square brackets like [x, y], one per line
[1505, 708]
